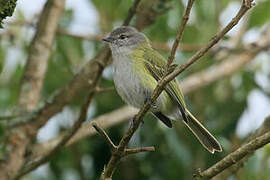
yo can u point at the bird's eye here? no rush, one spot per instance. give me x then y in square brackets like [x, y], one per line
[123, 36]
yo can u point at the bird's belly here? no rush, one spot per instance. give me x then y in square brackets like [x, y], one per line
[128, 86]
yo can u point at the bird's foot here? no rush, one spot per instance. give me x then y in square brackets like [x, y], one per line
[132, 122]
[148, 101]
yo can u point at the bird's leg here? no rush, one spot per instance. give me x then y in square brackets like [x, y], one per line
[148, 101]
[133, 121]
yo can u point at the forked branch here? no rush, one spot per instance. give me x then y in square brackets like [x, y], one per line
[114, 148]
[180, 33]
[105, 136]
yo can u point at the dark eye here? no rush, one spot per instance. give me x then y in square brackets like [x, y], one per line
[123, 36]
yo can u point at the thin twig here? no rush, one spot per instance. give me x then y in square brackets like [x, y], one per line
[264, 128]
[131, 12]
[106, 137]
[138, 150]
[235, 156]
[108, 172]
[76, 126]
[180, 32]
[114, 148]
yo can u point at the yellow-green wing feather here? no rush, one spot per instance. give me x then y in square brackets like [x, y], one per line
[156, 64]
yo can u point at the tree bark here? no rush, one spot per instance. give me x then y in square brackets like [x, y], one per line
[39, 53]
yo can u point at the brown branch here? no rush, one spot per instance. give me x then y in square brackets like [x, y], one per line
[115, 158]
[180, 33]
[235, 156]
[114, 148]
[149, 11]
[65, 139]
[105, 136]
[39, 54]
[264, 128]
[138, 150]
[131, 12]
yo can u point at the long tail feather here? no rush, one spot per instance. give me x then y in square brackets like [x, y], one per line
[202, 134]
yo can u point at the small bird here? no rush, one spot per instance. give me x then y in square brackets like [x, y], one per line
[137, 68]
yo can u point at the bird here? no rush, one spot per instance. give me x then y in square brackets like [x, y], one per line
[137, 68]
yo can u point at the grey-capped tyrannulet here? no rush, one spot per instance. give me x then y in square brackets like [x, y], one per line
[136, 71]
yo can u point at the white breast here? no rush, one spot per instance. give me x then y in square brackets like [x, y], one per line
[127, 83]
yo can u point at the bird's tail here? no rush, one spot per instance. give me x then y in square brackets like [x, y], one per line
[203, 135]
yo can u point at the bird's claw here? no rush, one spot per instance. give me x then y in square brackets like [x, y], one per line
[132, 122]
[148, 101]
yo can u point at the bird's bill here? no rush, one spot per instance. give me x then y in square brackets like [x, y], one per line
[108, 39]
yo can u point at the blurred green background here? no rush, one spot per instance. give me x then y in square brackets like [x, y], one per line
[231, 107]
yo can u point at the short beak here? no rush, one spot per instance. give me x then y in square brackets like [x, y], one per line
[108, 39]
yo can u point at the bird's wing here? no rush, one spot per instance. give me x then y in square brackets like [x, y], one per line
[156, 65]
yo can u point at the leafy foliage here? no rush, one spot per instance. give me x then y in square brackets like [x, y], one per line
[6, 9]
